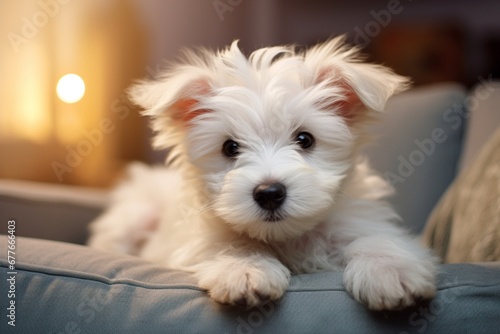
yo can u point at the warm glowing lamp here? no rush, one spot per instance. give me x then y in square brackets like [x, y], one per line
[70, 88]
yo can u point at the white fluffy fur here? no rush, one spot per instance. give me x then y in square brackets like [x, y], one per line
[203, 218]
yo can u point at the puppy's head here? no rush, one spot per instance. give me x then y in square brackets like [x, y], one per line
[271, 137]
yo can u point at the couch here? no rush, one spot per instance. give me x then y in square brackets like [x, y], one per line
[55, 284]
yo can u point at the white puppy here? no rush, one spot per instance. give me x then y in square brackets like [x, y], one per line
[269, 181]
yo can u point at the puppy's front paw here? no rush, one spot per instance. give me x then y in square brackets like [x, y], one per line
[244, 282]
[390, 281]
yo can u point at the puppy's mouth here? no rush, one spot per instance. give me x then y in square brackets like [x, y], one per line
[273, 217]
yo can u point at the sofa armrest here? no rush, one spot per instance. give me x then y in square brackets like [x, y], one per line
[67, 288]
[46, 211]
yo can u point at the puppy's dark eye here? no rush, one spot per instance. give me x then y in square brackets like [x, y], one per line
[230, 148]
[305, 140]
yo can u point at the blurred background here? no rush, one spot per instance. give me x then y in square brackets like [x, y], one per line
[65, 64]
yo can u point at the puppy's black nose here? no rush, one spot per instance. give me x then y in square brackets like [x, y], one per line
[269, 196]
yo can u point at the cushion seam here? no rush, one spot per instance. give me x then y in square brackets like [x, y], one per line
[99, 278]
[133, 283]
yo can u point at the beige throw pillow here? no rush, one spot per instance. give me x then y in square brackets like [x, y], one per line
[465, 225]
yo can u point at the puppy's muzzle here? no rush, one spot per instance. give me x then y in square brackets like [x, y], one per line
[269, 196]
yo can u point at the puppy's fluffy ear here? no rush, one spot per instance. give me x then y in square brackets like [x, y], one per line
[174, 95]
[173, 100]
[360, 84]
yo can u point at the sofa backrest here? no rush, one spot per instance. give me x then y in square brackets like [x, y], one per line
[417, 147]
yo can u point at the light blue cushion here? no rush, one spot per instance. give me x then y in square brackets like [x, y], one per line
[417, 146]
[65, 288]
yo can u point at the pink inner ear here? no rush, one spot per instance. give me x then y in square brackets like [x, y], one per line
[348, 106]
[185, 108]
